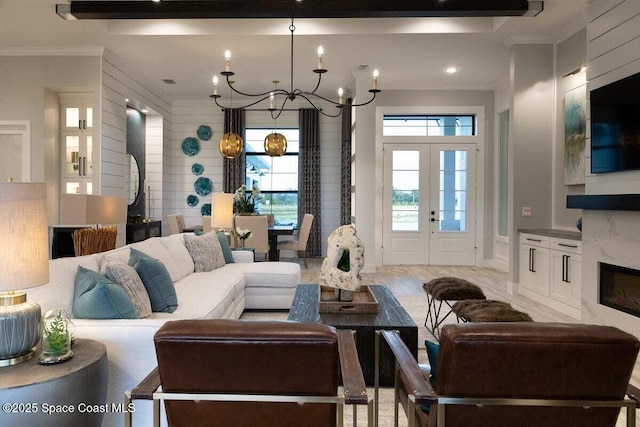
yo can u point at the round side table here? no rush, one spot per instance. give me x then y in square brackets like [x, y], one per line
[71, 393]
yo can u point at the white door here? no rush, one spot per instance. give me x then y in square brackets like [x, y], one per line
[429, 204]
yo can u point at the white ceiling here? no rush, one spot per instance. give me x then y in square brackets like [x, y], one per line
[410, 53]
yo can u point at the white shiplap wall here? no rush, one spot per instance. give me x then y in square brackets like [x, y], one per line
[154, 166]
[118, 83]
[189, 115]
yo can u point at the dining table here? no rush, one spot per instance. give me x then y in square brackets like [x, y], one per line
[274, 232]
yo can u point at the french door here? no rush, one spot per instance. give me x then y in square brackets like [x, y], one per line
[429, 204]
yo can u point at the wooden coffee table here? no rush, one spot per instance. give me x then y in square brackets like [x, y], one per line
[390, 316]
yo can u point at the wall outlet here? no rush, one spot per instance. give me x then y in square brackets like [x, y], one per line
[526, 211]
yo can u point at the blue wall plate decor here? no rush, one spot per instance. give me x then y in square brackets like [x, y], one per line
[204, 132]
[190, 146]
[192, 200]
[203, 186]
[206, 209]
[197, 169]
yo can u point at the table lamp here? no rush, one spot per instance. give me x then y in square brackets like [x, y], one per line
[24, 263]
[222, 211]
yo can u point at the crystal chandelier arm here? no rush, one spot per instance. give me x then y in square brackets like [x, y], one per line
[303, 95]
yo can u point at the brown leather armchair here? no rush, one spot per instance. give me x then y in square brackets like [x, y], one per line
[520, 374]
[253, 373]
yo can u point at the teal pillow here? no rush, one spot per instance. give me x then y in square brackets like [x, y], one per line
[96, 297]
[226, 250]
[156, 280]
[432, 353]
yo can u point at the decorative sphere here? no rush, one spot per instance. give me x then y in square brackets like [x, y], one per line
[231, 145]
[275, 144]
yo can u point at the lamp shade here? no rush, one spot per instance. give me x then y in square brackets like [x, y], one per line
[275, 144]
[24, 252]
[80, 209]
[222, 211]
[231, 145]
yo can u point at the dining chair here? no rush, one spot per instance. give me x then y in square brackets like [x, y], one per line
[299, 245]
[259, 238]
[176, 223]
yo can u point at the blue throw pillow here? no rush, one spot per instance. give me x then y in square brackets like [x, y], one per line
[432, 353]
[226, 250]
[96, 297]
[157, 281]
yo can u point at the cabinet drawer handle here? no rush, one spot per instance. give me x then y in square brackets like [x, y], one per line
[568, 246]
[533, 240]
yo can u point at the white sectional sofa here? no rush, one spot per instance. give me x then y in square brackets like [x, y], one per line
[222, 293]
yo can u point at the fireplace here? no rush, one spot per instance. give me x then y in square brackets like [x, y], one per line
[620, 288]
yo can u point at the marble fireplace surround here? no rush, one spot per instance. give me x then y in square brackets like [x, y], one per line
[612, 237]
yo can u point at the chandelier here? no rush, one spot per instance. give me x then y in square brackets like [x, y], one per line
[291, 94]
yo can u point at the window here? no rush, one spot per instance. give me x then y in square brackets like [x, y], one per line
[420, 125]
[276, 177]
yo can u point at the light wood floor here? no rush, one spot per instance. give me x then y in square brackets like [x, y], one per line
[406, 284]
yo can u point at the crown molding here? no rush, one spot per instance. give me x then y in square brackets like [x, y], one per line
[51, 51]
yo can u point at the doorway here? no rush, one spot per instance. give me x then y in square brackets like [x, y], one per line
[429, 204]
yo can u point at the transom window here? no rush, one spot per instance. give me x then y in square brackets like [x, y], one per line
[276, 177]
[423, 125]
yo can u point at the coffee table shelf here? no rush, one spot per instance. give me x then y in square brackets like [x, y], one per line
[390, 316]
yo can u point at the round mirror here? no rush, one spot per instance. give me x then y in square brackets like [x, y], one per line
[134, 179]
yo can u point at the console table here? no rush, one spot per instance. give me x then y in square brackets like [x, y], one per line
[67, 394]
[137, 232]
[390, 315]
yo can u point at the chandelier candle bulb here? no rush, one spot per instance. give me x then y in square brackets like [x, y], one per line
[215, 85]
[376, 73]
[227, 60]
[340, 95]
[320, 53]
[272, 101]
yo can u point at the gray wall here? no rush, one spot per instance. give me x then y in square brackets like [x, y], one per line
[531, 141]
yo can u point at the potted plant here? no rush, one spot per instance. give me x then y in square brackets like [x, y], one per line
[246, 203]
[56, 337]
[241, 235]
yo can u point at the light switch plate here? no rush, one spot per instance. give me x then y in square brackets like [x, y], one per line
[526, 211]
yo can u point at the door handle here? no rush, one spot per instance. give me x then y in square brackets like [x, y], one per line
[434, 219]
[433, 212]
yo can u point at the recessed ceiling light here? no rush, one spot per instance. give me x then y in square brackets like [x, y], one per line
[451, 70]
[126, 100]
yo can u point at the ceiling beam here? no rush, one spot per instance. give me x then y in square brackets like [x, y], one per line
[256, 9]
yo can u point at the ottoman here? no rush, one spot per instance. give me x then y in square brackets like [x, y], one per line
[488, 311]
[445, 290]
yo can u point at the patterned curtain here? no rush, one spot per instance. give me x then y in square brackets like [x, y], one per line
[345, 175]
[234, 170]
[309, 175]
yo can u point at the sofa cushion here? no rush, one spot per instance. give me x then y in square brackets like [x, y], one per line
[205, 251]
[269, 274]
[96, 297]
[226, 249]
[157, 281]
[206, 295]
[155, 249]
[174, 244]
[127, 277]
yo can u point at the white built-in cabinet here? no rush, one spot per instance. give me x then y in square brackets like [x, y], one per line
[551, 272]
[76, 143]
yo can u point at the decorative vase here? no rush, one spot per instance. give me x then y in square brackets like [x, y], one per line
[241, 243]
[56, 337]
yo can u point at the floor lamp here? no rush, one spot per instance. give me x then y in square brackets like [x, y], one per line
[84, 209]
[24, 263]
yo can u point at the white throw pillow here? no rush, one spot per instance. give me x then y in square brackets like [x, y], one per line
[205, 250]
[127, 277]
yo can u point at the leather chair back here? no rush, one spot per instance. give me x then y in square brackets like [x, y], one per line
[533, 360]
[229, 356]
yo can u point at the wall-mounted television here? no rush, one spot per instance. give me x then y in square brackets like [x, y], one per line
[615, 126]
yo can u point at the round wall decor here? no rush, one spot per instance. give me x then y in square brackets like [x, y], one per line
[203, 186]
[190, 146]
[204, 132]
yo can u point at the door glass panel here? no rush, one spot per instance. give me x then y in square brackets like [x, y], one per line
[89, 188]
[89, 118]
[73, 188]
[72, 154]
[72, 117]
[89, 170]
[453, 190]
[405, 184]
